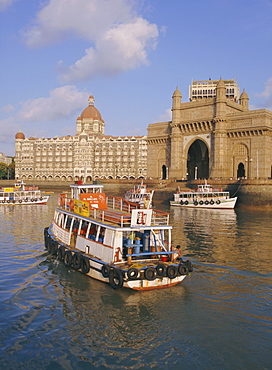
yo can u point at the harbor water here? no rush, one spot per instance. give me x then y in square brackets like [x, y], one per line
[219, 317]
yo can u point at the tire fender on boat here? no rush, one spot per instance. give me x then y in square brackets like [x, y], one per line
[105, 271]
[218, 201]
[60, 253]
[182, 269]
[85, 264]
[132, 273]
[212, 202]
[172, 272]
[76, 260]
[161, 269]
[150, 273]
[189, 265]
[67, 259]
[54, 247]
[195, 203]
[116, 278]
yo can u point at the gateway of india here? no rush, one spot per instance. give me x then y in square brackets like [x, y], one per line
[214, 135]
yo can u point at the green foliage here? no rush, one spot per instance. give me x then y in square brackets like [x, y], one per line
[7, 171]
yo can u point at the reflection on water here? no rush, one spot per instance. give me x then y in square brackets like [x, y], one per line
[219, 317]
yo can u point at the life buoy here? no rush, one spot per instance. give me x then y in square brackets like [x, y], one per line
[67, 259]
[182, 269]
[172, 272]
[132, 273]
[201, 202]
[60, 253]
[161, 269]
[85, 264]
[218, 201]
[150, 273]
[186, 202]
[105, 271]
[76, 260]
[212, 202]
[195, 202]
[116, 278]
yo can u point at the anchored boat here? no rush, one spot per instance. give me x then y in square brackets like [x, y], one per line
[22, 194]
[141, 195]
[204, 197]
[115, 241]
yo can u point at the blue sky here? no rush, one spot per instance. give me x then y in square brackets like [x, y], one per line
[130, 55]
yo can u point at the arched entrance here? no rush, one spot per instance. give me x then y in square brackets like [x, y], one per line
[241, 170]
[198, 161]
[164, 172]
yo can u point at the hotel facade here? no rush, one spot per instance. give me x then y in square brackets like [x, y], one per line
[89, 154]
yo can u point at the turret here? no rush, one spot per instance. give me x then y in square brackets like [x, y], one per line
[244, 100]
[220, 99]
[176, 102]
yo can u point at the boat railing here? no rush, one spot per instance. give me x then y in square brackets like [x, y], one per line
[118, 212]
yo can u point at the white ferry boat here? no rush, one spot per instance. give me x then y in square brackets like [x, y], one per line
[114, 240]
[204, 197]
[140, 195]
[22, 194]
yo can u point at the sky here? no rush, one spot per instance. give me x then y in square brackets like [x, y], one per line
[129, 54]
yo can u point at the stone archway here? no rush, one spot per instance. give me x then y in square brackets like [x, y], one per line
[164, 172]
[241, 170]
[198, 161]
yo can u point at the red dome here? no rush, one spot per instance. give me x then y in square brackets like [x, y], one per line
[91, 112]
[20, 135]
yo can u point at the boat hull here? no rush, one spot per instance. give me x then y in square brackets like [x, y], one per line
[222, 204]
[96, 268]
[41, 200]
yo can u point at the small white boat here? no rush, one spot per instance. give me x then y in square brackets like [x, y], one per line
[140, 195]
[204, 197]
[22, 194]
[114, 240]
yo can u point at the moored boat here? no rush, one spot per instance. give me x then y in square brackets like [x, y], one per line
[115, 241]
[204, 197]
[22, 194]
[141, 195]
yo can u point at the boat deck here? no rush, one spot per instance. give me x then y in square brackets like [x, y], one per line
[118, 211]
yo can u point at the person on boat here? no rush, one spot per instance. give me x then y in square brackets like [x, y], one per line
[178, 255]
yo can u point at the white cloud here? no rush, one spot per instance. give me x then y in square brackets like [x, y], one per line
[4, 4]
[166, 116]
[119, 40]
[8, 129]
[62, 102]
[8, 108]
[267, 95]
[121, 48]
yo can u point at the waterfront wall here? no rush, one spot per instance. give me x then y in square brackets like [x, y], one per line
[256, 193]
